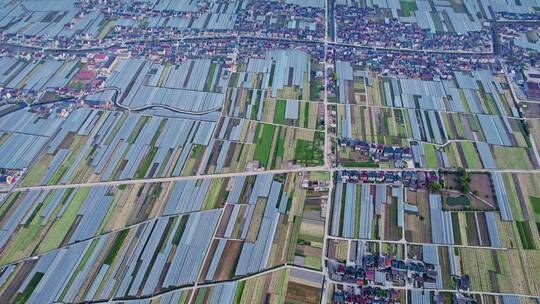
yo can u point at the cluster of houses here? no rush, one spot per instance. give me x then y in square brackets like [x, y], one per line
[385, 271]
[273, 19]
[423, 65]
[379, 152]
[83, 76]
[178, 50]
[62, 108]
[93, 68]
[373, 280]
[365, 295]
[288, 19]
[519, 41]
[518, 16]
[415, 180]
[131, 22]
[318, 186]
[116, 23]
[8, 179]
[360, 24]
[368, 295]
[519, 44]
[372, 295]
[11, 95]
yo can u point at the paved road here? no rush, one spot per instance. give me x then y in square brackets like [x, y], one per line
[443, 290]
[273, 123]
[84, 50]
[167, 179]
[404, 242]
[251, 173]
[327, 150]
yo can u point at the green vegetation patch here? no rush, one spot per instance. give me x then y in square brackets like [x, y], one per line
[456, 231]
[264, 144]
[279, 114]
[201, 296]
[147, 162]
[470, 155]
[312, 262]
[23, 297]
[180, 230]
[307, 153]
[431, 158]
[60, 228]
[303, 150]
[238, 292]
[462, 200]
[407, 7]
[118, 241]
[209, 80]
[525, 235]
[535, 203]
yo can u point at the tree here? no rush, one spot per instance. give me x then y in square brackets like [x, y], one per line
[434, 187]
[464, 180]
[465, 188]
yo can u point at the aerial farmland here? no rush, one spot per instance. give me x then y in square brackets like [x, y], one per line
[254, 151]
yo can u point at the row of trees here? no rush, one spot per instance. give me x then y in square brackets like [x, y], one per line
[464, 180]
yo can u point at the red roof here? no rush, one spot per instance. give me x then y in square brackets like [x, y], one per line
[100, 57]
[85, 75]
[370, 275]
